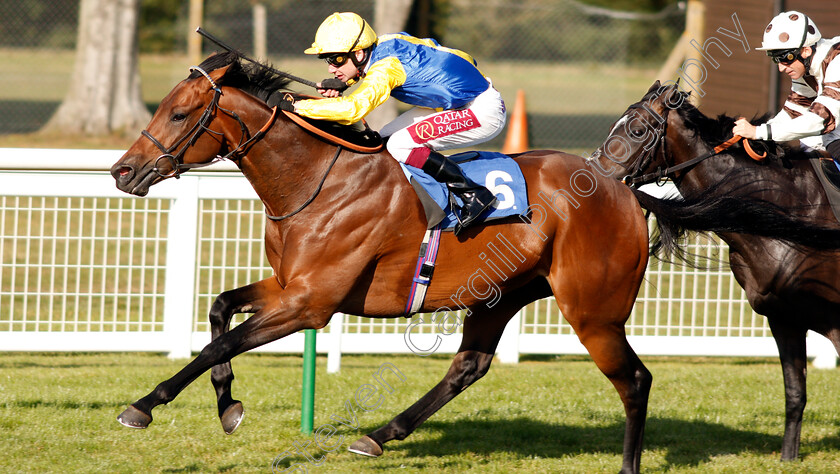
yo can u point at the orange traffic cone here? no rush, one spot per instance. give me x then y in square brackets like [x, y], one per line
[516, 140]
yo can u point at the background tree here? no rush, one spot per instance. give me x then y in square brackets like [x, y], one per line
[104, 94]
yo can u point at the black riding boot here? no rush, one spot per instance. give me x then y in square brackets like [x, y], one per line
[476, 197]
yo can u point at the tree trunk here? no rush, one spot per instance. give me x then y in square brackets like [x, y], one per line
[389, 16]
[104, 95]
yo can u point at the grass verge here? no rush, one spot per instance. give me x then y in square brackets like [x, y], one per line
[546, 414]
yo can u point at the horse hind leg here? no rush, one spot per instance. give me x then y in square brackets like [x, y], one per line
[609, 349]
[598, 321]
[482, 331]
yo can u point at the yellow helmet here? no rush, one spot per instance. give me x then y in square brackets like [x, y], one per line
[342, 33]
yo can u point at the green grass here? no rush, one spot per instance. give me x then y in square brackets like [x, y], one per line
[546, 414]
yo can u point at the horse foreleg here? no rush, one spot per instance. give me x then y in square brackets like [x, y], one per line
[482, 331]
[245, 299]
[280, 313]
[790, 339]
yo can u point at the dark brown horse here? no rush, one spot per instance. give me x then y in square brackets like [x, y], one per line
[796, 288]
[350, 237]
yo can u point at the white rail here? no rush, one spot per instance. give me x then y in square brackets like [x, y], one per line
[85, 267]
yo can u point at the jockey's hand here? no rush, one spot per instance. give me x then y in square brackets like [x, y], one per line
[283, 101]
[286, 105]
[744, 128]
[331, 87]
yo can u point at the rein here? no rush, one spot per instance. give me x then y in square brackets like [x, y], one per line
[314, 195]
[659, 174]
[176, 161]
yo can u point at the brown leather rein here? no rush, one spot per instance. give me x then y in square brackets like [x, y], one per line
[660, 173]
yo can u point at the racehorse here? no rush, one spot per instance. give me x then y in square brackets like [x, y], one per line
[795, 287]
[343, 236]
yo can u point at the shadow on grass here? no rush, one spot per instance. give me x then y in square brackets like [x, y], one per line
[62, 404]
[685, 443]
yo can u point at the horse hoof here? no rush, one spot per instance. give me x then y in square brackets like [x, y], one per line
[366, 446]
[134, 418]
[232, 417]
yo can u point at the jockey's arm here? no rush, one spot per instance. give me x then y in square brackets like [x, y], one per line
[373, 91]
[806, 114]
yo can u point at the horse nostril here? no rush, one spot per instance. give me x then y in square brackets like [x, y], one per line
[122, 172]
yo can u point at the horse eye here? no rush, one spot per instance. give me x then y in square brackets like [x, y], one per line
[637, 132]
[178, 117]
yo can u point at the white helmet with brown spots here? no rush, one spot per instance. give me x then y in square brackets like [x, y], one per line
[790, 30]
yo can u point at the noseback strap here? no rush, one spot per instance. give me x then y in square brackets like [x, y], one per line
[154, 141]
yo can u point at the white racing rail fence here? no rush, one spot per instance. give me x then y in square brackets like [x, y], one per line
[85, 267]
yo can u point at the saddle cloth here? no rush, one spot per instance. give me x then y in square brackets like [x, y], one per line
[497, 172]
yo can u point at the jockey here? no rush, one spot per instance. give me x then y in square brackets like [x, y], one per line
[454, 104]
[812, 108]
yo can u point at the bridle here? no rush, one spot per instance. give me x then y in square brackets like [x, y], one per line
[176, 159]
[644, 160]
[659, 176]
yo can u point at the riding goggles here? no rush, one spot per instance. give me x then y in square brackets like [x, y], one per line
[337, 59]
[785, 57]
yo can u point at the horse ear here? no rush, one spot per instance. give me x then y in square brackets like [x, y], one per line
[654, 87]
[218, 74]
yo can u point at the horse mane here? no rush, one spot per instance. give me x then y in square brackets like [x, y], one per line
[714, 131]
[255, 78]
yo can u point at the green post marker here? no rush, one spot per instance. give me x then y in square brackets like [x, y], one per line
[307, 406]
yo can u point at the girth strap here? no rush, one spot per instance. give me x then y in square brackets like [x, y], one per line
[423, 272]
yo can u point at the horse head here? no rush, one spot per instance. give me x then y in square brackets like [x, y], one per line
[636, 142]
[190, 128]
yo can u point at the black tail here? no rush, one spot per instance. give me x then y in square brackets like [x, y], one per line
[741, 214]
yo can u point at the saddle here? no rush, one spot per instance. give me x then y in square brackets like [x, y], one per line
[829, 176]
[358, 137]
[830, 171]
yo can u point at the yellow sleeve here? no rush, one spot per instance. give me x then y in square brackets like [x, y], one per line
[372, 91]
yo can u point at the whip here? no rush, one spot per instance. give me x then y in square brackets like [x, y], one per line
[331, 83]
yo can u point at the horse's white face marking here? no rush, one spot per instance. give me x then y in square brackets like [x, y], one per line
[618, 124]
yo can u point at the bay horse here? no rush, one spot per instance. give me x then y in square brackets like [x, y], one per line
[345, 236]
[795, 287]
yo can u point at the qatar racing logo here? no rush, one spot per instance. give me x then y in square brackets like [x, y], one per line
[443, 124]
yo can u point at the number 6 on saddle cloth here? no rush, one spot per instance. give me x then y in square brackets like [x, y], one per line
[497, 172]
